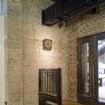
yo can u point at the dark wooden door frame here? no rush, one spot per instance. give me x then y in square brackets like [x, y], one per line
[81, 97]
[93, 99]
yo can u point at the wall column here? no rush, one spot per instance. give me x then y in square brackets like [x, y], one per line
[2, 50]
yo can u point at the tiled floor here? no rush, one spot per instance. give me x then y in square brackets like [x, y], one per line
[70, 103]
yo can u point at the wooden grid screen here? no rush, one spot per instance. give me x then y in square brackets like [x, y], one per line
[50, 85]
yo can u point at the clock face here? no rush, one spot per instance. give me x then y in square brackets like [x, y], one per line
[47, 44]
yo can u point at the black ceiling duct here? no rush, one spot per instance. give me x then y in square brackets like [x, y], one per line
[67, 8]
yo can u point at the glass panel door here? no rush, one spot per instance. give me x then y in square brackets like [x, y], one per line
[91, 70]
[101, 71]
[85, 69]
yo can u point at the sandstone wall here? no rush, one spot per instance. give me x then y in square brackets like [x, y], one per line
[14, 59]
[26, 55]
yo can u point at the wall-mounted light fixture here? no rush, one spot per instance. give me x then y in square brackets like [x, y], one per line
[47, 44]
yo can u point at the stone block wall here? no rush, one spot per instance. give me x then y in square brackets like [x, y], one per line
[25, 51]
[14, 53]
[83, 26]
[26, 55]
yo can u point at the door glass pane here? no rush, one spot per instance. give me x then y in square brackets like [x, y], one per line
[85, 69]
[101, 70]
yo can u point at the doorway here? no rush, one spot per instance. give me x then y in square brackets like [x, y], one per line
[101, 70]
[91, 70]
